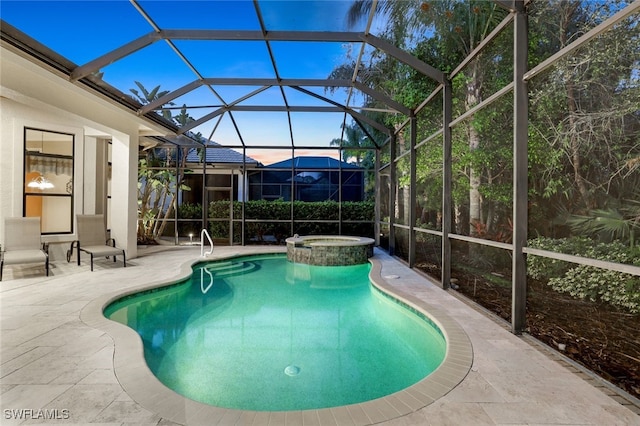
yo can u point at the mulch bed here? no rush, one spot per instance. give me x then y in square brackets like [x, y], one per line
[596, 335]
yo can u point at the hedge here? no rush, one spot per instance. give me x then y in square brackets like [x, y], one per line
[275, 218]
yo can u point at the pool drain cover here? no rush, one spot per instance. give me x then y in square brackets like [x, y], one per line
[292, 370]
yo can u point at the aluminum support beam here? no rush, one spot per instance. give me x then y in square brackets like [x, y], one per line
[412, 191]
[205, 204]
[392, 194]
[506, 4]
[354, 114]
[382, 98]
[114, 55]
[176, 195]
[224, 81]
[339, 192]
[520, 172]
[404, 57]
[610, 22]
[163, 100]
[447, 112]
[269, 82]
[480, 47]
[258, 108]
[292, 198]
[258, 35]
[245, 194]
[491, 99]
[625, 268]
[378, 204]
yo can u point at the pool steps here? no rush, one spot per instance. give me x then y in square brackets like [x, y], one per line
[222, 269]
[230, 268]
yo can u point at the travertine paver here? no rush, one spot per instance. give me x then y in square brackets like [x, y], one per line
[51, 363]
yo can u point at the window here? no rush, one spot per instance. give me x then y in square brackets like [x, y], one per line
[48, 179]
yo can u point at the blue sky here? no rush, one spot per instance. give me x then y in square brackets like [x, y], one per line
[83, 30]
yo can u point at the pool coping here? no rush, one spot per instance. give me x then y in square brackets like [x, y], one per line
[142, 386]
[329, 240]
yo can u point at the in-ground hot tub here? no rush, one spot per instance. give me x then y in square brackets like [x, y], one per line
[329, 250]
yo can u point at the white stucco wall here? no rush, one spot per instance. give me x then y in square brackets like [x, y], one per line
[15, 116]
[33, 97]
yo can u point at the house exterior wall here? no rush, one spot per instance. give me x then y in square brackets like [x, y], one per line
[33, 97]
[15, 117]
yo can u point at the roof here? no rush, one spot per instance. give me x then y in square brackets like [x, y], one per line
[312, 163]
[218, 154]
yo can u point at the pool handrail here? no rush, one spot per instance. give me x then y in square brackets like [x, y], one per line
[204, 233]
[202, 271]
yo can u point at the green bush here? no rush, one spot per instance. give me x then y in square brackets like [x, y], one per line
[361, 211]
[275, 218]
[219, 210]
[271, 210]
[317, 210]
[543, 268]
[588, 282]
[281, 210]
[189, 211]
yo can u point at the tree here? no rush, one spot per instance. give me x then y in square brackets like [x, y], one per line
[145, 97]
[158, 186]
[354, 138]
[456, 28]
[584, 114]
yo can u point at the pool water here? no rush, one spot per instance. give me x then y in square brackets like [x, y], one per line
[262, 333]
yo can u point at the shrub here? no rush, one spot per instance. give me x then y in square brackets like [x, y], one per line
[589, 282]
[275, 218]
[189, 211]
[360, 211]
[542, 268]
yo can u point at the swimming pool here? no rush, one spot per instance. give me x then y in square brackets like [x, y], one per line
[409, 288]
[261, 333]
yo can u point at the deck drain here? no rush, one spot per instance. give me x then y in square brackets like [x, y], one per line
[392, 277]
[292, 370]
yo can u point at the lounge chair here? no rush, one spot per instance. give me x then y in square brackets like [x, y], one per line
[22, 243]
[92, 239]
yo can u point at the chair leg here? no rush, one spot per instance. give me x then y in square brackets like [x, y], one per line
[46, 266]
[78, 248]
[91, 262]
[70, 251]
[1, 268]
[124, 258]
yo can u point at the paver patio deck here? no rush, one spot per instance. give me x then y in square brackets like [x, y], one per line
[51, 360]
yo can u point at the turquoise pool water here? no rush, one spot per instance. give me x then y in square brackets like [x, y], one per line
[261, 333]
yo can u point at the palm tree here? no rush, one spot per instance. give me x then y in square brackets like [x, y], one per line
[354, 137]
[146, 97]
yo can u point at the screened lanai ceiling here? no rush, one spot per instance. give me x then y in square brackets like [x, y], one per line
[243, 73]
